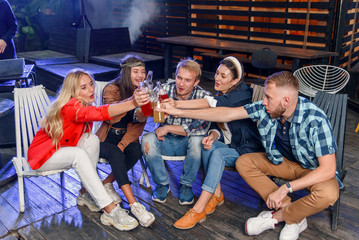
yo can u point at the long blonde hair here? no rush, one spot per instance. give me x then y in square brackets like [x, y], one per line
[53, 122]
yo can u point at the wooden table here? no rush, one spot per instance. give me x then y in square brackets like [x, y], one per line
[298, 55]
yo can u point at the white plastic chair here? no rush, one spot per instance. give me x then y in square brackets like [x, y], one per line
[31, 105]
[96, 125]
[325, 78]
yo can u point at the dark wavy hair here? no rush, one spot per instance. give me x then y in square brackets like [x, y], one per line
[123, 80]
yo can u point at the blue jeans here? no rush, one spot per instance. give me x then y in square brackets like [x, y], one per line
[214, 161]
[172, 146]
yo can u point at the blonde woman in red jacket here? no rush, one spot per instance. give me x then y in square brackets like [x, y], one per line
[65, 141]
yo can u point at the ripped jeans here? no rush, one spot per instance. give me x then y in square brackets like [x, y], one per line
[172, 146]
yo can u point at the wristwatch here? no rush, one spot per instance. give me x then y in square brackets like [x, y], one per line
[289, 187]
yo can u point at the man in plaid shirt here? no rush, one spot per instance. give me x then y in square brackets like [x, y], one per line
[177, 136]
[300, 147]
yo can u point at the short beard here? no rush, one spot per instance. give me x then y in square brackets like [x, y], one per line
[278, 112]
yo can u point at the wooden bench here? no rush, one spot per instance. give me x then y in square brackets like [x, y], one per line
[52, 76]
[65, 46]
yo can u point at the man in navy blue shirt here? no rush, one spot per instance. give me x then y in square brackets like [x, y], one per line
[8, 28]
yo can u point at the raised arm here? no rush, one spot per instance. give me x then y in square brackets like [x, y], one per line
[217, 114]
[122, 107]
[111, 95]
[194, 103]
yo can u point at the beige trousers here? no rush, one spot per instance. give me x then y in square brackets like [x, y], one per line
[254, 169]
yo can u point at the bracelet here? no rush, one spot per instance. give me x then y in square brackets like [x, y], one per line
[289, 187]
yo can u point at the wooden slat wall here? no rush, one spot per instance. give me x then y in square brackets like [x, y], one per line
[172, 21]
[177, 23]
[349, 48]
[295, 23]
[311, 24]
[147, 43]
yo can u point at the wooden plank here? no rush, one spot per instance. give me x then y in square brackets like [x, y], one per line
[93, 224]
[144, 197]
[70, 224]
[30, 233]
[51, 185]
[9, 237]
[210, 225]
[51, 76]
[172, 209]
[172, 196]
[47, 57]
[273, 25]
[3, 230]
[62, 196]
[9, 217]
[36, 205]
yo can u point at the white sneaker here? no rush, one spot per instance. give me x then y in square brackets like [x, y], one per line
[144, 217]
[259, 224]
[113, 194]
[292, 231]
[86, 199]
[119, 218]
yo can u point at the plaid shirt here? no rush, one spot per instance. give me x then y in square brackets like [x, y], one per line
[310, 133]
[191, 126]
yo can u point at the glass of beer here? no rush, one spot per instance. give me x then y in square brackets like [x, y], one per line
[158, 117]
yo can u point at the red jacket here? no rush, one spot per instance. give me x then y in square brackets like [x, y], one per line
[75, 118]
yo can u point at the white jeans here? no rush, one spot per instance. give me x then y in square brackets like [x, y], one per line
[83, 158]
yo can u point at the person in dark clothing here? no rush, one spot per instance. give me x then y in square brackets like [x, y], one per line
[8, 29]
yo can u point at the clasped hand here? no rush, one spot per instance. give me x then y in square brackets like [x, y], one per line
[208, 141]
[168, 108]
[275, 199]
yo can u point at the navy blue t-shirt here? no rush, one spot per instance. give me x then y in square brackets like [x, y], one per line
[281, 140]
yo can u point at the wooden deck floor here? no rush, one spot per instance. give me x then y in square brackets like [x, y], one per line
[51, 211]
